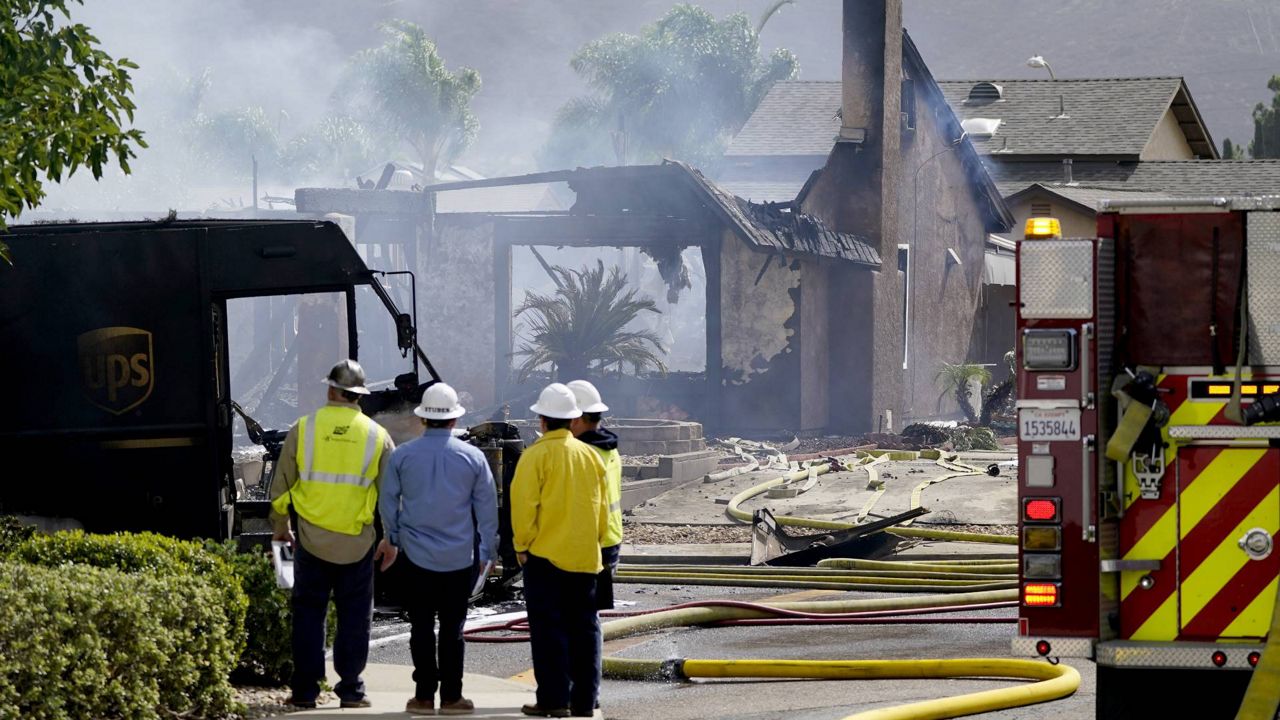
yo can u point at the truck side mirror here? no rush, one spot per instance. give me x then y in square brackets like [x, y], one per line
[405, 332]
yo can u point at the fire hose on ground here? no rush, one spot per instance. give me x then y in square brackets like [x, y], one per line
[1052, 681]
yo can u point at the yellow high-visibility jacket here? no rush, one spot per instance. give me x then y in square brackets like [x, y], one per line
[559, 503]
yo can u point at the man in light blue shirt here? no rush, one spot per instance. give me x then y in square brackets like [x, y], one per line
[437, 494]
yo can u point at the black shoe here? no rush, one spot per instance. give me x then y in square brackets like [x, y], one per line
[583, 713]
[300, 704]
[360, 702]
[536, 711]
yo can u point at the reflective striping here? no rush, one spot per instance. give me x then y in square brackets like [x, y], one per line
[335, 478]
[309, 442]
[1200, 495]
[371, 445]
[615, 506]
[1227, 559]
[1158, 542]
[1235, 612]
[1161, 624]
[1256, 613]
[1213, 483]
[1199, 540]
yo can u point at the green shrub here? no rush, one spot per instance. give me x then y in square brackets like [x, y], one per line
[268, 654]
[145, 553]
[80, 642]
[13, 532]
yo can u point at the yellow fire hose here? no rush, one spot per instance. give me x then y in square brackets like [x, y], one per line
[1053, 681]
[954, 582]
[735, 511]
[1262, 698]
[824, 578]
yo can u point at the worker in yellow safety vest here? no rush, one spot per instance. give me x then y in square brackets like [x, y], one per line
[327, 480]
[587, 429]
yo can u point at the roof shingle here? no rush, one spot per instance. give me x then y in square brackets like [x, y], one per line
[1112, 117]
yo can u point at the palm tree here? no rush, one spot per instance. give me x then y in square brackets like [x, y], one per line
[955, 379]
[412, 97]
[582, 326]
[997, 396]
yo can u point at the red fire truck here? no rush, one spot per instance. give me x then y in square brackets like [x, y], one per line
[1149, 484]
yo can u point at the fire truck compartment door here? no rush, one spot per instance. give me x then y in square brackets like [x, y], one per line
[1226, 495]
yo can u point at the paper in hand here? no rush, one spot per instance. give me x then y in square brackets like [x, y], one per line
[485, 569]
[282, 560]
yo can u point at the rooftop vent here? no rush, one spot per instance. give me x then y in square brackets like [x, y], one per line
[985, 92]
[980, 127]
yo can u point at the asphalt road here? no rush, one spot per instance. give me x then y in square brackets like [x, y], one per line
[754, 699]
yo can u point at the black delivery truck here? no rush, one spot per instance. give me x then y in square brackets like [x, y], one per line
[118, 413]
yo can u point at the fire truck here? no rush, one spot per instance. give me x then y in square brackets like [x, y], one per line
[1149, 456]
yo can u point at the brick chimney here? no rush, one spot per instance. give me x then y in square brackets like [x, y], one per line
[857, 190]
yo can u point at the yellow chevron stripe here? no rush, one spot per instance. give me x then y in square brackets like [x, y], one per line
[1155, 544]
[1214, 481]
[1255, 618]
[1163, 623]
[1226, 560]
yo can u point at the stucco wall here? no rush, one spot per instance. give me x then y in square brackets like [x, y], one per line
[938, 211]
[456, 296]
[1168, 142]
[759, 338]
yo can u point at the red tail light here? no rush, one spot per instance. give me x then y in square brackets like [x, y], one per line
[1219, 658]
[1040, 510]
[1254, 657]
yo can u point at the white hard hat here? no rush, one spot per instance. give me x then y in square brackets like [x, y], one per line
[588, 397]
[557, 401]
[439, 402]
[347, 375]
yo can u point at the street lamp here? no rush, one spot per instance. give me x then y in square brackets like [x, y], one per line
[1038, 61]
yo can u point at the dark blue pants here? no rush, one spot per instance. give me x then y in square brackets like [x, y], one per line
[428, 595]
[562, 631]
[352, 589]
[604, 601]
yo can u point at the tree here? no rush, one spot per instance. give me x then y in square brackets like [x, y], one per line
[996, 398]
[955, 379]
[679, 89]
[1231, 151]
[1266, 125]
[63, 102]
[413, 98]
[582, 326]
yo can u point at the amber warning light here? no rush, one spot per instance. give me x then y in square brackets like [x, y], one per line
[1040, 509]
[1040, 594]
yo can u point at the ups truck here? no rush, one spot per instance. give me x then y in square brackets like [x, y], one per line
[118, 390]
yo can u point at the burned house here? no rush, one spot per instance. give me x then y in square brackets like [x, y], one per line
[828, 311]
[901, 173]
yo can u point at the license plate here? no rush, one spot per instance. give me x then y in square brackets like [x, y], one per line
[1041, 424]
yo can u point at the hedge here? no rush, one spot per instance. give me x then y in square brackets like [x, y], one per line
[268, 657]
[145, 553]
[82, 642]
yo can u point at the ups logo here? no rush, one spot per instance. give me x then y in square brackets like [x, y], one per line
[116, 367]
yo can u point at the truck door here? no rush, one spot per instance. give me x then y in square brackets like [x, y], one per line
[1228, 513]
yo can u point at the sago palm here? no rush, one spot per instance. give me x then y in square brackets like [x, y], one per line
[955, 379]
[582, 326]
